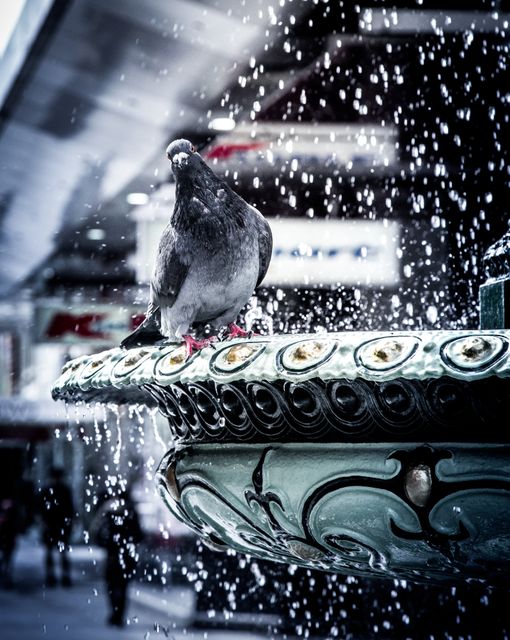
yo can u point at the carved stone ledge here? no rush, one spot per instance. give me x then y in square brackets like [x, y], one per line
[419, 512]
[363, 356]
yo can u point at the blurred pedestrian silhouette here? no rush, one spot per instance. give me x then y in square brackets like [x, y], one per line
[117, 529]
[8, 533]
[16, 515]
[57, 513]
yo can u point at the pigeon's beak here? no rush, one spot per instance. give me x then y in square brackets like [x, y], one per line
[179, 159]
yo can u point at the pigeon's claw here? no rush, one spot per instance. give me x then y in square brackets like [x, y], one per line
[196, 345]
[237, 332]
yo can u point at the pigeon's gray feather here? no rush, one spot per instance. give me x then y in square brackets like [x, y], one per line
[213, 253]
[147, 332]
[169, 275]
[265, 245]
[170, 271]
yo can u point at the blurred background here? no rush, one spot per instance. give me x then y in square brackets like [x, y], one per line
[374, 138]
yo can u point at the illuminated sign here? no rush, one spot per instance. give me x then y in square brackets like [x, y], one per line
[350, 252]
[308, 251]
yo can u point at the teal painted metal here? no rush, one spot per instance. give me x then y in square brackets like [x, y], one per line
[364, 509]
[495, 304]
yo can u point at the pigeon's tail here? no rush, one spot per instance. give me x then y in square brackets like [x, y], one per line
[147, 333]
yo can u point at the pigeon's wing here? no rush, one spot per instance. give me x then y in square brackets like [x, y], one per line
[169, 273]
[265, 243]
[148, 332]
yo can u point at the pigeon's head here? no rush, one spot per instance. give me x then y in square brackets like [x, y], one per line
[182, 154]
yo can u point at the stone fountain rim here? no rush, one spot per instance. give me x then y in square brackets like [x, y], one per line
[381, 356]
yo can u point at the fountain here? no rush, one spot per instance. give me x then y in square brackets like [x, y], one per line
[365, 453]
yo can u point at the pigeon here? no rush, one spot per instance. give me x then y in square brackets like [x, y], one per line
[213, 253]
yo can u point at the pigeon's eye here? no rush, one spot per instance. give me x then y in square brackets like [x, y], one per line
[193, 148]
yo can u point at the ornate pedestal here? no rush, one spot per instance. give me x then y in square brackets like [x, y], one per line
[364, 453]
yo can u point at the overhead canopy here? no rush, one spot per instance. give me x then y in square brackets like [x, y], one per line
[106, 86]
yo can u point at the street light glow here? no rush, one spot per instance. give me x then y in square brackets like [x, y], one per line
[137, 198]
[222, 124]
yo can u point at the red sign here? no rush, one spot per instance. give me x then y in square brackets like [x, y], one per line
[98, 323]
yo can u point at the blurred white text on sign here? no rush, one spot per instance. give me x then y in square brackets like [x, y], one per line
[349, 252]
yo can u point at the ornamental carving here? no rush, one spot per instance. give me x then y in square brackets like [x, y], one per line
[395, 511]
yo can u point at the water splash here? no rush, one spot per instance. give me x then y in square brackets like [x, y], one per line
[153, 415]
[98, 437]
[118, 444]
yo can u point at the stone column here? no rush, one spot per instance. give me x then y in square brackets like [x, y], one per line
[495, 293]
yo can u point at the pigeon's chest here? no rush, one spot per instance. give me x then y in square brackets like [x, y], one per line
[232, 266]
[221, 279]
[221, 250]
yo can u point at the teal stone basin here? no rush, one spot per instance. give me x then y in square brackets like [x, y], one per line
[382, 454]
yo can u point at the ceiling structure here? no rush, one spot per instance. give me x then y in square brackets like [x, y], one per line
[106, 87]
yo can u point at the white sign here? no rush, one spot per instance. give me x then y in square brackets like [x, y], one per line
[310, 251]
[360, 253]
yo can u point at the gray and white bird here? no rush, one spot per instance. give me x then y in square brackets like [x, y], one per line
[212, 254]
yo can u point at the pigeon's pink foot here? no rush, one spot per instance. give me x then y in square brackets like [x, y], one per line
[237, 332]
[196, 345]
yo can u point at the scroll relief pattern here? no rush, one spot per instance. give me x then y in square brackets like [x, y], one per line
[409, 516]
